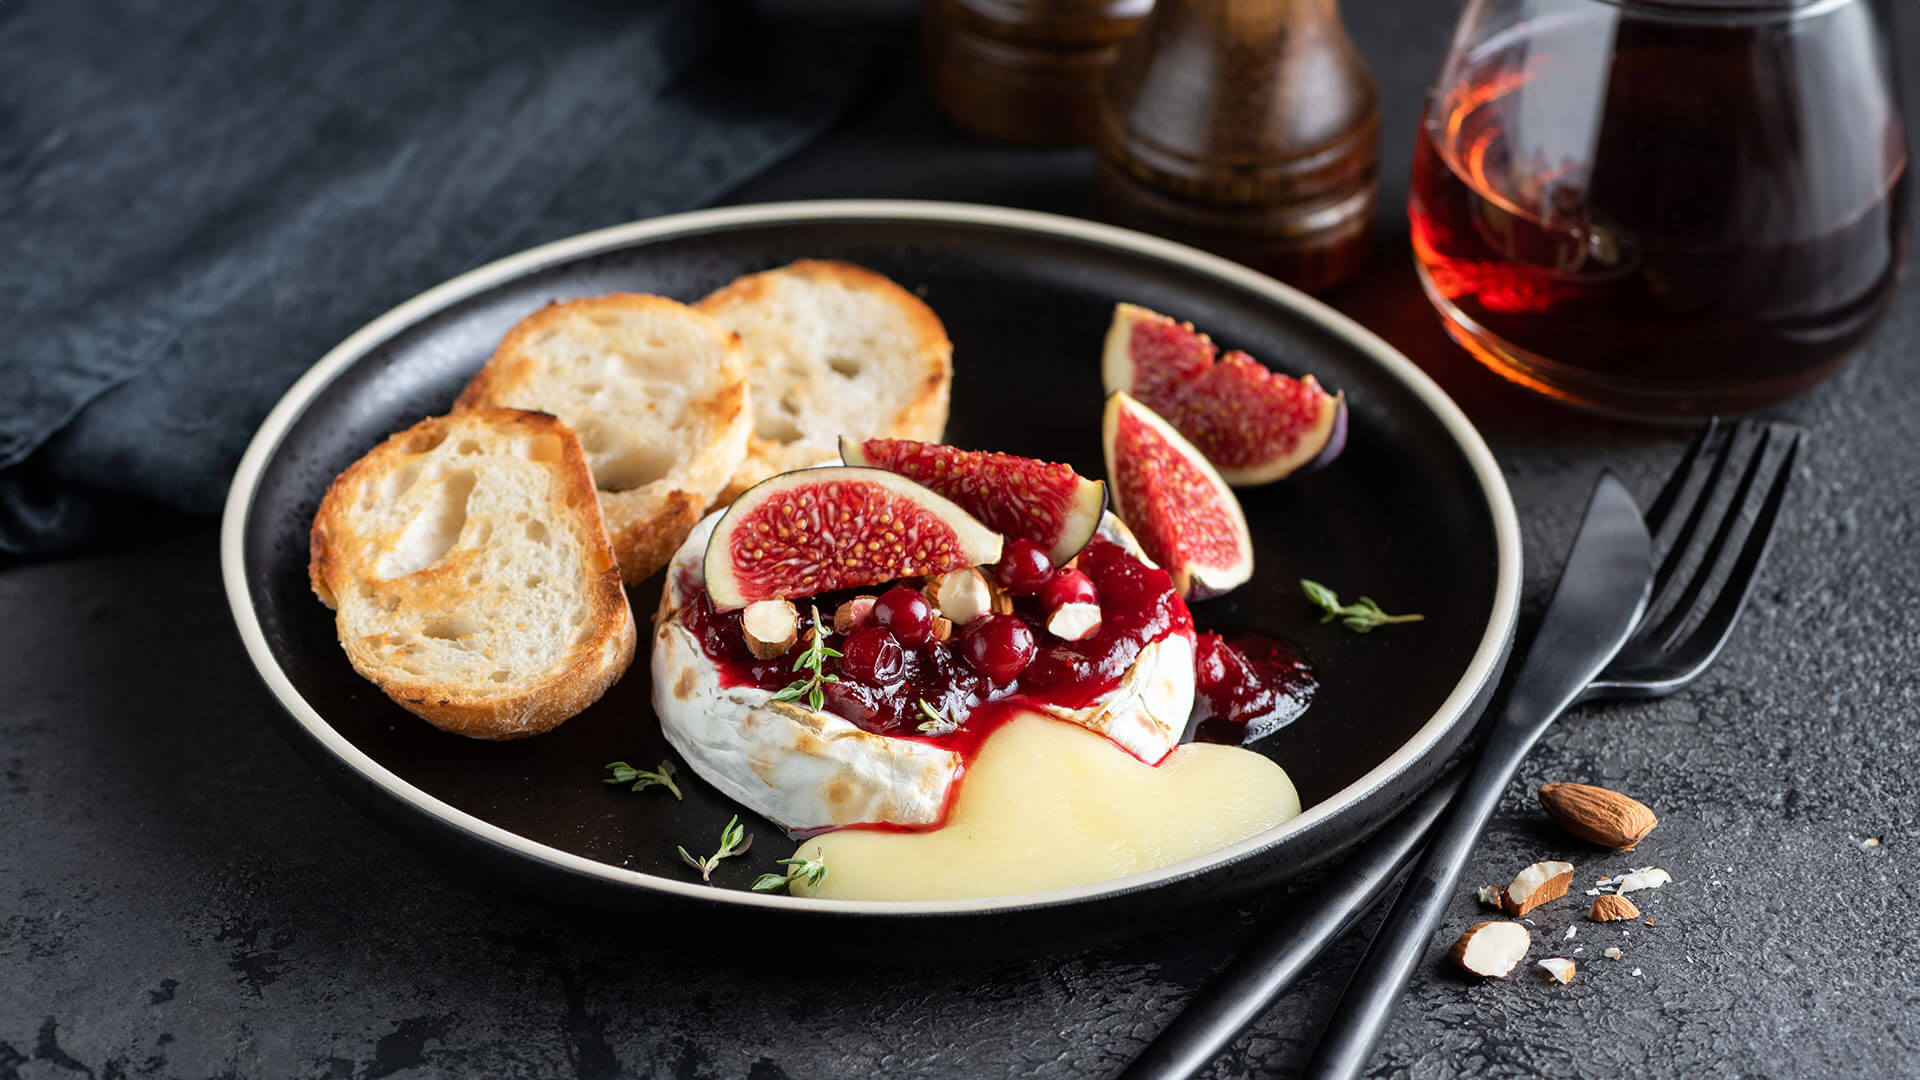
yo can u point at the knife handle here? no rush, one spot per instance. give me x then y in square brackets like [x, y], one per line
[1375, 987]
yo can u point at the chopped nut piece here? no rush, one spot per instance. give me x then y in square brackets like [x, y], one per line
[1559, 969]
[770, 627]
[1572, 929]
[942, 628]
[1074, 622]
[1612, 953]
[961, 596]
[1597, 815]
[1651, 877]
[1642, 877]
[852, 614]
[1491, 895]
[1537, 884]
[1611, 908]
[1491, 949]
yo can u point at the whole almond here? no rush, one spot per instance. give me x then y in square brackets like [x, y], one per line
[1612, 908]
[1597, 815]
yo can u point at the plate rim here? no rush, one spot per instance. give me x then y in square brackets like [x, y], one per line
[1481, 669]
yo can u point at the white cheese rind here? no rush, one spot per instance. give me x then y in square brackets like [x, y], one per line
[1148, 711]
[805, 769]
[794, 766]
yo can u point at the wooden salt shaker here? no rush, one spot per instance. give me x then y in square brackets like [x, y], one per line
[1024, 71]
[1247, 127]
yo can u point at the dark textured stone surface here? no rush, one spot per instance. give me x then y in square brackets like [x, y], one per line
[179, 896]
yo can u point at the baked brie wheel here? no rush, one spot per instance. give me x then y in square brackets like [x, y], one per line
[805, 769]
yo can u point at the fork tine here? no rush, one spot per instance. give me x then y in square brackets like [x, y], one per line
[1656, 516]
[1716, 626]
[1717, 549]
[1679, 544]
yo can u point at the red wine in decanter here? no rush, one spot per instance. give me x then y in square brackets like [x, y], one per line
[1247, 127]
[1025, 71]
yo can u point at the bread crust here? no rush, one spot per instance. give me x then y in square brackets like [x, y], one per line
[646, 523]
[918, 412]
[342, 572]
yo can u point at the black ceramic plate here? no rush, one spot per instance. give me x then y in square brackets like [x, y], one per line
[1415, 514]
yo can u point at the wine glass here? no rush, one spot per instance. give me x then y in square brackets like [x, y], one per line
[1662, 209]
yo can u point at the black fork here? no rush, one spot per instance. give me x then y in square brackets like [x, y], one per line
[1680, 632]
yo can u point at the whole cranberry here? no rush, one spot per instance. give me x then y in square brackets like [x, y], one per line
[1024, 568]
[1068, 587]
[872, 656]
[1000, 647]
[905, 612]
[853, 701]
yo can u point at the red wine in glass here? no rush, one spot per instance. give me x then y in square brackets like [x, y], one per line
[1659, 216]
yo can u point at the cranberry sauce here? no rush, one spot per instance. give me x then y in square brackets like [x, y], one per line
[1137, 606]
[1247, 686]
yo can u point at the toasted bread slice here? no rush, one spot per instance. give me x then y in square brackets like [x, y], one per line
[834, 349]
[658, 395]
[470, 570]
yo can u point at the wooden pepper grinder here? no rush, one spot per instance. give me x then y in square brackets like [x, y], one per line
[1025, 71]
[1247, 127]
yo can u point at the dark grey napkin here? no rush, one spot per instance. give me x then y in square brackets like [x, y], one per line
[197, 200]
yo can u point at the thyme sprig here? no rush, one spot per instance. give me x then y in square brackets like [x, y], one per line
[811, 871]
[1360, 617]
[811, 659]
[733, 841]
[642, 779]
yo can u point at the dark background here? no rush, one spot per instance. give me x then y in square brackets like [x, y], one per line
[179, 895]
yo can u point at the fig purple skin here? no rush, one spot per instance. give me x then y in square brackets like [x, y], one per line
[1336, 442]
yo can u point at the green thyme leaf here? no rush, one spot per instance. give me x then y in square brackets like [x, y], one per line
[936, 723]
[641, 779]
[1319, 595]
[812, 659]
[1360, 617]
[733, 841]
[811, 871]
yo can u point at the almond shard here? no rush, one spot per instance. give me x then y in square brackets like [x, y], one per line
[1559, 969]
[852, 614]
[1597, 815]
[1651, 877]
[770, 627]
[1074, 622]
[1612, 908]
[961, 596]
[1491, 949]
[1537, 884]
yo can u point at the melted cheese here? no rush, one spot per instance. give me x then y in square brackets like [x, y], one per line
[1048, 804]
